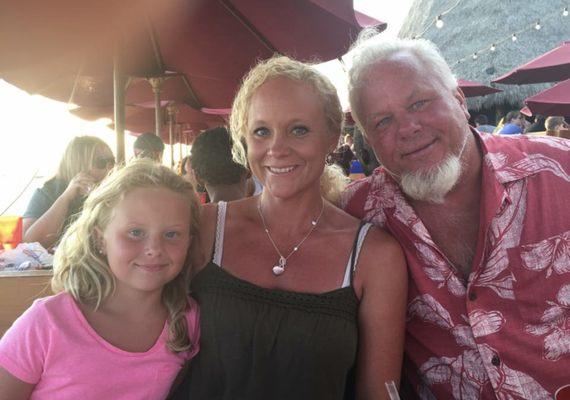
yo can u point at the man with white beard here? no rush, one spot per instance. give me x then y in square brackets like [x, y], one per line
[483, 221]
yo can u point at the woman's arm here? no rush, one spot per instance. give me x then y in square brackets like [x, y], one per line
[11, 388]
[381, 282]
[46, 229]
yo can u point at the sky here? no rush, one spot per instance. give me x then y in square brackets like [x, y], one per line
[35, 130]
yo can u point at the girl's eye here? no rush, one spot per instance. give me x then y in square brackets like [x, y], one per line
[136, 233]
[418, 105]
[172, 234]
[261, 132]
[299, 131]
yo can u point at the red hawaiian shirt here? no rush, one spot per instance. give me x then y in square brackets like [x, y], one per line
[505, 333]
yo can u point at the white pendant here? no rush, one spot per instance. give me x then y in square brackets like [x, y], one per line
[278, 270]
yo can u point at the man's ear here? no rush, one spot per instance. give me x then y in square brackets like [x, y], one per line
[460, 97]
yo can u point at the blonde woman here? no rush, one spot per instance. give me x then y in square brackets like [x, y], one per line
[121, 325]
[296, 295]
[84, 164]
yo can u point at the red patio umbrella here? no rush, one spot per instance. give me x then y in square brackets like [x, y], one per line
[526, 111]
[67, 50]
[474, 89]
[552, 66]
[79, 51]
[553, 101]
[141, 118]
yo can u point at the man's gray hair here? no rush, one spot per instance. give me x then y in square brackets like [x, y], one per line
[370, 48]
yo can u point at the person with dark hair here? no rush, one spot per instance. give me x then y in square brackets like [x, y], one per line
[537, 124]
[223, 178]
[149, 145]
[514, 124]
[85, 162]
[482, 124]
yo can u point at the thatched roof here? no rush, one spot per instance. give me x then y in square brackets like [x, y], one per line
[474, 25]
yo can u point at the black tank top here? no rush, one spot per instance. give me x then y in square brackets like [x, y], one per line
[259, 343]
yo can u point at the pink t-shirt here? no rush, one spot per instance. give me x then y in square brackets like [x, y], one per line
[53, 346]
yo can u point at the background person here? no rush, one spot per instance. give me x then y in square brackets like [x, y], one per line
[480, 218]
[482, 124]
[85, 162]
[514, 124]
[343, 155]
[553, 126]
[214, 167]
[297, 289]
[149, 145]
[121, 325]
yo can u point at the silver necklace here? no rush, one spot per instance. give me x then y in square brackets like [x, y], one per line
[282, 262]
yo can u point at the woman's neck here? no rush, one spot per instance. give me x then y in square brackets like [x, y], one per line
[290, 215]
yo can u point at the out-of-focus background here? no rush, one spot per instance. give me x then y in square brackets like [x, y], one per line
[35, 130]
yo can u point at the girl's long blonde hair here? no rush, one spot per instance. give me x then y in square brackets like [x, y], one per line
[80, 269]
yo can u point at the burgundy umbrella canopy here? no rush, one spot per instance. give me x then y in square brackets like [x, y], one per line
[553, 101]
[64, 49]
[141, 118]
[474, 89]
[526, 111]
[553, 66]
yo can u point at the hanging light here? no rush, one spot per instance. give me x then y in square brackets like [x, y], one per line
[493, 47]
[514, 37]
[537, 26]
[565, 12]
[474, 56]
[439, 22]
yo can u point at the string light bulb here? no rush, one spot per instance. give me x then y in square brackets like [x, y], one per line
[565, 12]
[474, 56]
[439, 22]
[537, 26]
[514, 37]
[493, 47]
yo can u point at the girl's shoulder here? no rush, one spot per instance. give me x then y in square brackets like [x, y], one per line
[46, 313]
[52, 304]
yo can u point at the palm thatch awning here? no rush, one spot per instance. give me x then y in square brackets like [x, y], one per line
[473, 26]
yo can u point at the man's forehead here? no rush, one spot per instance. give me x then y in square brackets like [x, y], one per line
[402, 62]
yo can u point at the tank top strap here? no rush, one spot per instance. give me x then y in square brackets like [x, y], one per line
[219, 239]
[353, 259]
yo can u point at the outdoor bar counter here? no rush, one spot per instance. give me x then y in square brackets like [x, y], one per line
[18, 290]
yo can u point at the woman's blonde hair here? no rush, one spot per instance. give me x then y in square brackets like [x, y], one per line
[79, 156]
[82, 271]
[282, 66]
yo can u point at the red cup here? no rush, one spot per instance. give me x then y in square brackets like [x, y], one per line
[563, 393]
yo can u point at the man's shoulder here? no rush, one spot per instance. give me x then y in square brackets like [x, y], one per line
[355, 195]
[515, 157]
[526, 144]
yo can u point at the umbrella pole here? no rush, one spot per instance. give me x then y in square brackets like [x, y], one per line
[119, 105]
[171, 109]
[179, 133]
[156, 83]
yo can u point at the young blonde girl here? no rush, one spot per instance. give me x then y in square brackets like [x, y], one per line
[121, 324]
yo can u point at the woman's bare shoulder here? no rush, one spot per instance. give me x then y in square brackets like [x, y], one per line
[381, 258]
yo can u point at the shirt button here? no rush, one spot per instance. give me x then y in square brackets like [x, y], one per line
[472, 296]
[496, 361]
